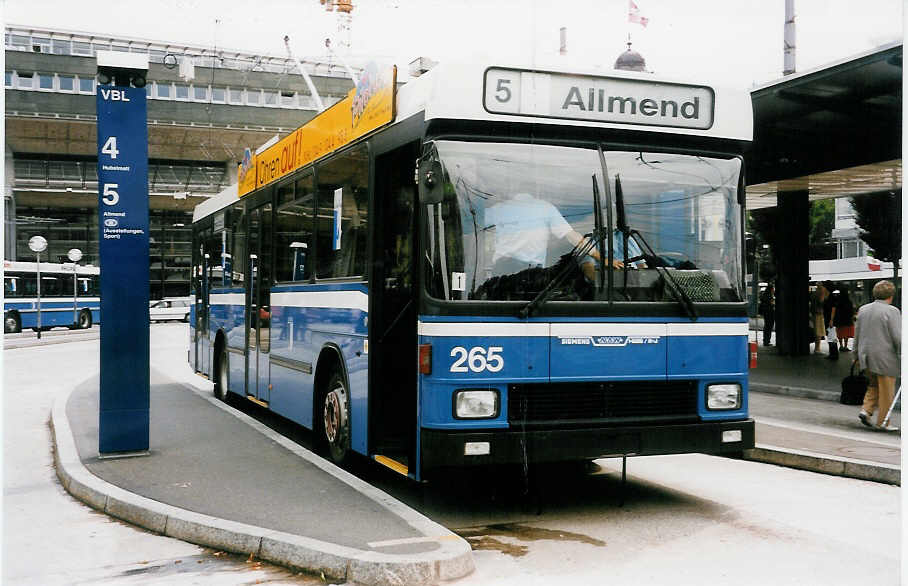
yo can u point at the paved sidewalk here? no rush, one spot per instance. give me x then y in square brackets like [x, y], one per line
[859, 452]
[217, 477]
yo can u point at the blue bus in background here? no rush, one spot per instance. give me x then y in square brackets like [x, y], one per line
[68, 298]
[520, 265]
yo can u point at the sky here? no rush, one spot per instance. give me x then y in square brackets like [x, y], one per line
[732, 42]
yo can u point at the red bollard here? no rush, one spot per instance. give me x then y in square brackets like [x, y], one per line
[753, 354]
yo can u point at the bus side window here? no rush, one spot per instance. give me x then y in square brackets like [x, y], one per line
[293, 228]
[11, 287]
[51, 285]
[238, 258]
[343, 181]
[29, 285]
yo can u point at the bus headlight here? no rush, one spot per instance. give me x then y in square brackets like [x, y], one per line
[475, 403]
[724, 396]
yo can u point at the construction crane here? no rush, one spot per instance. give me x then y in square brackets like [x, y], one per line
[344, 11]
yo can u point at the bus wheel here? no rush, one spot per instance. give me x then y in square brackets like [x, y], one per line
[336, 423]
[11, 324]
[84, 319]
[221, 380]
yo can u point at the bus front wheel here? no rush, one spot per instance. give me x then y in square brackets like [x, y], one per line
[84, 319]
[11, 324]
[336, 420]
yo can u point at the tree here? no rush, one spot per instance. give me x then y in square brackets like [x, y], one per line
[822, 221]
[879, 216]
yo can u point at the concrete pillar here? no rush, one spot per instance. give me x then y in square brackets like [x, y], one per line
[793, 337]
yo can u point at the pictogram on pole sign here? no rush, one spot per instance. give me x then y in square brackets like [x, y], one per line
[123, 238]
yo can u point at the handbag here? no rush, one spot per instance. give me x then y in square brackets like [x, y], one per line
[831, 336]
[853, 388]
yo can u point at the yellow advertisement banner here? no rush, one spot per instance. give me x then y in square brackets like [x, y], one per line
[367, 107]
[246, 173]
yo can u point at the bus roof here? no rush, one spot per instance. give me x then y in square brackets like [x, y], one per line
[568, 96]
[215, 203]
[48, 267]
[561, 95]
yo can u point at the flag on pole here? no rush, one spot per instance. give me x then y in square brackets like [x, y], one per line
[633, 14]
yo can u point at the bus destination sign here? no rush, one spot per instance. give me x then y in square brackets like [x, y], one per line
[597, 99]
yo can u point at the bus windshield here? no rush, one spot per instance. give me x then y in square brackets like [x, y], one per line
[519, 218]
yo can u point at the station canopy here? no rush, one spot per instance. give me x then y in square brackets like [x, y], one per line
[834, 131]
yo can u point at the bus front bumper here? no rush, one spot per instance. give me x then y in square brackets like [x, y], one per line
[444, 448]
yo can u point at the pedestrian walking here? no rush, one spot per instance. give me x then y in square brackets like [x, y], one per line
[843, 319]
[829, 307]
[877, 345]
[768, 311]
[817, 298]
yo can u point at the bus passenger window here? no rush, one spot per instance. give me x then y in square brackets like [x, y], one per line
[11, 287]
[343, 198]
[238, 253]
[51, 286]
[294, 224]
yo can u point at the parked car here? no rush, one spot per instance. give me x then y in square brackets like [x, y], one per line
[167, 309]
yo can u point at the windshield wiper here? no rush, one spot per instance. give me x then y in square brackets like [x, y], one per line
[628, 232]
[580, 249]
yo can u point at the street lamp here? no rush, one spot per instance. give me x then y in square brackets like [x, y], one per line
[75, 255]
[38, 244]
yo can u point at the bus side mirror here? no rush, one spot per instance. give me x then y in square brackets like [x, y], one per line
[431, 182]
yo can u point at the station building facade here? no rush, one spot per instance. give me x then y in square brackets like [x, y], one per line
[205, 106]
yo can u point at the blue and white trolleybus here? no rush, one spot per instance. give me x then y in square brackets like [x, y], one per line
[510, 265]
[66, 300]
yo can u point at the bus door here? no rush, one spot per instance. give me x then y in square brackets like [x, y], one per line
[258, 305]
[393, 314]
[199, 270]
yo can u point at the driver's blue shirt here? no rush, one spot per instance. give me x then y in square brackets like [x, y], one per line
[523, 225]
[633, 249]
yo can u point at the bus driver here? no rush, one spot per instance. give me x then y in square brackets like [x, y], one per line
[523, 225]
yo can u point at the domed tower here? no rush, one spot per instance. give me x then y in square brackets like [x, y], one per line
[630, 60]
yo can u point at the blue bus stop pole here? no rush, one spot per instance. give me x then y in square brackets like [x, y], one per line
[123, 241]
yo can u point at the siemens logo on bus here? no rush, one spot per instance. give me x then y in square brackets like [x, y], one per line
[598, 99]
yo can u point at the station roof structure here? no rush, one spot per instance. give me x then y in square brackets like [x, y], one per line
[835, 131]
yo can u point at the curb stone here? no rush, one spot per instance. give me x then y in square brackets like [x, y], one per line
[452, 560]
[850, 468]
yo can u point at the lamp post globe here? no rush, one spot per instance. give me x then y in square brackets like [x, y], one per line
[37, 243]
[74, 254]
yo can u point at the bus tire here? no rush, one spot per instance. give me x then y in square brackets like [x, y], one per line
[84, 319]
[11, 323]
[222, 376]
[335, 424]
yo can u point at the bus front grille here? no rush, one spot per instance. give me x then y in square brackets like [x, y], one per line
[603, 402]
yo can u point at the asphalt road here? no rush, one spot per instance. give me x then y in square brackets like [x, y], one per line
[682, 519]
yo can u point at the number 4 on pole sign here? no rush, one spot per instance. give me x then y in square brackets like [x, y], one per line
[110, 147]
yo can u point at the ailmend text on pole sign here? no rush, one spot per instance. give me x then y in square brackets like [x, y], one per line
[123, 239]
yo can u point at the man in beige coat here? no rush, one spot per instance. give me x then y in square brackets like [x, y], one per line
[877, 344]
